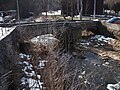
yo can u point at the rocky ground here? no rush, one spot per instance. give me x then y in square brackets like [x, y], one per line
[93, 65]
[103, 57]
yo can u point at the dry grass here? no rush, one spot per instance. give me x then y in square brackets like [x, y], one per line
[67, 70]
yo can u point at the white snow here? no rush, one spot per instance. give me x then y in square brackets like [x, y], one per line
[106, 64]
[77, 16]
[102, 38]
[52, 12]
[99, 39]
[83, 73]
[96, 20]
[36, 85]
[26, 63]
[86, 44]
[23, 80]
[29, 67]
[38, 76]
[1, 19]
[21, 55]
[47, 40]
[80, 76]
[33, 84]
[42, 63]
[113, 86]
[29, 74]
[31, 78]
[4, 31]
[86, 82]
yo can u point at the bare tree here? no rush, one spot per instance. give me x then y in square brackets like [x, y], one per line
[80, 8]
[112, 5]
[116, 8]
[34, 6]
[87, 6]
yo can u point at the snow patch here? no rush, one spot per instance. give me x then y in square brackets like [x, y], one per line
[47, 40]
[113, 86]
[102, 38]
[31, 78]
[4, 31]
[21, 55]
[33, 84]
[106, 64]
[52, 13]
[42, 63]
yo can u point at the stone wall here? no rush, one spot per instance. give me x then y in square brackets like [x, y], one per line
[29, 31]
[8, 57]
[67, 32]
[10, 45]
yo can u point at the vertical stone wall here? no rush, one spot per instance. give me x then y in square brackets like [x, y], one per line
[8, 57]
[29, 31]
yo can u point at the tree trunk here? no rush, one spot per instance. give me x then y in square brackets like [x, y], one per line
[78, 6]
[72, 11]
[94, 9]
[81, 9]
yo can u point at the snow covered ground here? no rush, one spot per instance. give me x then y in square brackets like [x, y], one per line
[52, 12]
[31, 79]
[101, 40]
[31, 72]
[1, 19]
[47, 40]
[113, 86]
[50, 16]
[4, 31]
[99, 44]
